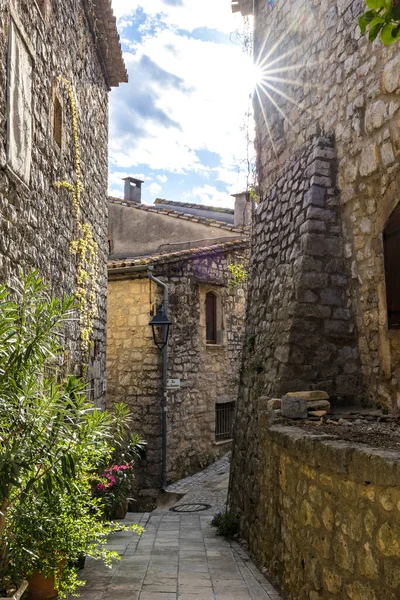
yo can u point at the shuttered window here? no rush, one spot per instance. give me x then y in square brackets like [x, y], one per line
[19, 108]
[211, 318]
[391, 242]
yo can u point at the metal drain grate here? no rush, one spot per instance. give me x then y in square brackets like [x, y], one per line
[190, 508]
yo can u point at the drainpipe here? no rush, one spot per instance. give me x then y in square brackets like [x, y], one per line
[164, 379]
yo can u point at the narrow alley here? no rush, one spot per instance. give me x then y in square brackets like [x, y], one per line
[179, 556]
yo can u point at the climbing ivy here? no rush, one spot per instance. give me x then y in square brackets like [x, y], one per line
[84, 246]
[239, 276]
[382, 18]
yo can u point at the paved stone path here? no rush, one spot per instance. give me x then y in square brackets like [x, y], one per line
[179, 557]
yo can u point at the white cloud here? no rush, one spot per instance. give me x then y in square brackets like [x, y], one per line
[203, 110]
[162, 178]
[210, 195]
[154, 188]
[189, 14]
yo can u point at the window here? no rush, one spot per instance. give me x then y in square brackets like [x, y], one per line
[391, 244]
[57, 122]
[19, 108]
[211, 318]
[224, 415]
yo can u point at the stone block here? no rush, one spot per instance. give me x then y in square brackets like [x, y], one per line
[317, 413]
[310, 396]
[294, 407]
[274, 404]
[369, 160]
[391, 75]
[315, 196]
[318, 405]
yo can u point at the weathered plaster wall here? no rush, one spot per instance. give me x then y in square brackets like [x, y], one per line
[322, 516]
[346, 88]
[135, 232]
[208, 373]
[37, 222]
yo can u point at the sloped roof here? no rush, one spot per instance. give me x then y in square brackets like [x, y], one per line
[193, 253]
[107, 38]
[228, 211]
[179, 215]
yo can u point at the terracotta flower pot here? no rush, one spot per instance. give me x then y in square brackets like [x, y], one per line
[41, 587]
[18, 594]
[120, 511]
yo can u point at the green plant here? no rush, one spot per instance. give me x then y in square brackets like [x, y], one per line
[382, 18]
[226, 523]
[51, 439]
[239, 276]
[48, 534]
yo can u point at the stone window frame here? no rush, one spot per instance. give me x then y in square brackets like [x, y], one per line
[204, 290]
[15, 20]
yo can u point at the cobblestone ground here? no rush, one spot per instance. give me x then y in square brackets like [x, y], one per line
[179, 557]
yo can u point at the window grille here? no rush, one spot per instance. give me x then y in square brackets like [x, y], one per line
[391, 244]
[224, 415]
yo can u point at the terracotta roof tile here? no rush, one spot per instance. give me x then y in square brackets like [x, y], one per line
[192, 253]
[228, 211]
[180, 215]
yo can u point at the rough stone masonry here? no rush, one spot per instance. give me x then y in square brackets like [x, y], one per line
[329, 179]
[39, 42]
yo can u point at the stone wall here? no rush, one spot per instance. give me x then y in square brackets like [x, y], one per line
[343, 87]
[37, 221]
[300, 330]
[134, 374]
[322, 516]
[208, 373]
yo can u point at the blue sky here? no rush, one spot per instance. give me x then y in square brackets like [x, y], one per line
[180, 122]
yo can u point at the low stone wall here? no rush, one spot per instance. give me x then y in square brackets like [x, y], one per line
[322, 515]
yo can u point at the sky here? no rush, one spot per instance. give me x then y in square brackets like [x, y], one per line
[180, 123]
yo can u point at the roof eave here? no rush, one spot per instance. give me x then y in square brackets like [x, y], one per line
[107, 40]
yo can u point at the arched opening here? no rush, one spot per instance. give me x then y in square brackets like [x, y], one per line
[391, 245]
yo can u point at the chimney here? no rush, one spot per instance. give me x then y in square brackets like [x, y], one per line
[243, 209]
[133, 190]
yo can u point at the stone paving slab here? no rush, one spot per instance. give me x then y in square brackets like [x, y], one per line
[179, 556]
[215, 570]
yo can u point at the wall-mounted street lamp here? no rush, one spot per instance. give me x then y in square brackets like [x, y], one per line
[160, 325]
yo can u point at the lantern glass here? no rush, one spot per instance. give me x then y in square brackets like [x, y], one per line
[160, 325]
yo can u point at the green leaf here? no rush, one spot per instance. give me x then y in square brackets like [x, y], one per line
[376, 4]
[366, 19]
[390, 34]
[375, 27]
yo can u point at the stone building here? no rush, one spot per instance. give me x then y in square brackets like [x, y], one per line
[323, 301]
[45, 47]
[189, 247]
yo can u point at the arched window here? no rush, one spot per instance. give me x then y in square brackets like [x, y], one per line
[391, 244]
[211, 318]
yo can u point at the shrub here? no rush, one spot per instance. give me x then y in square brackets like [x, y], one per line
[226, 523]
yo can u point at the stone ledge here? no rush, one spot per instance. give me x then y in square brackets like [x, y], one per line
[361, 463]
